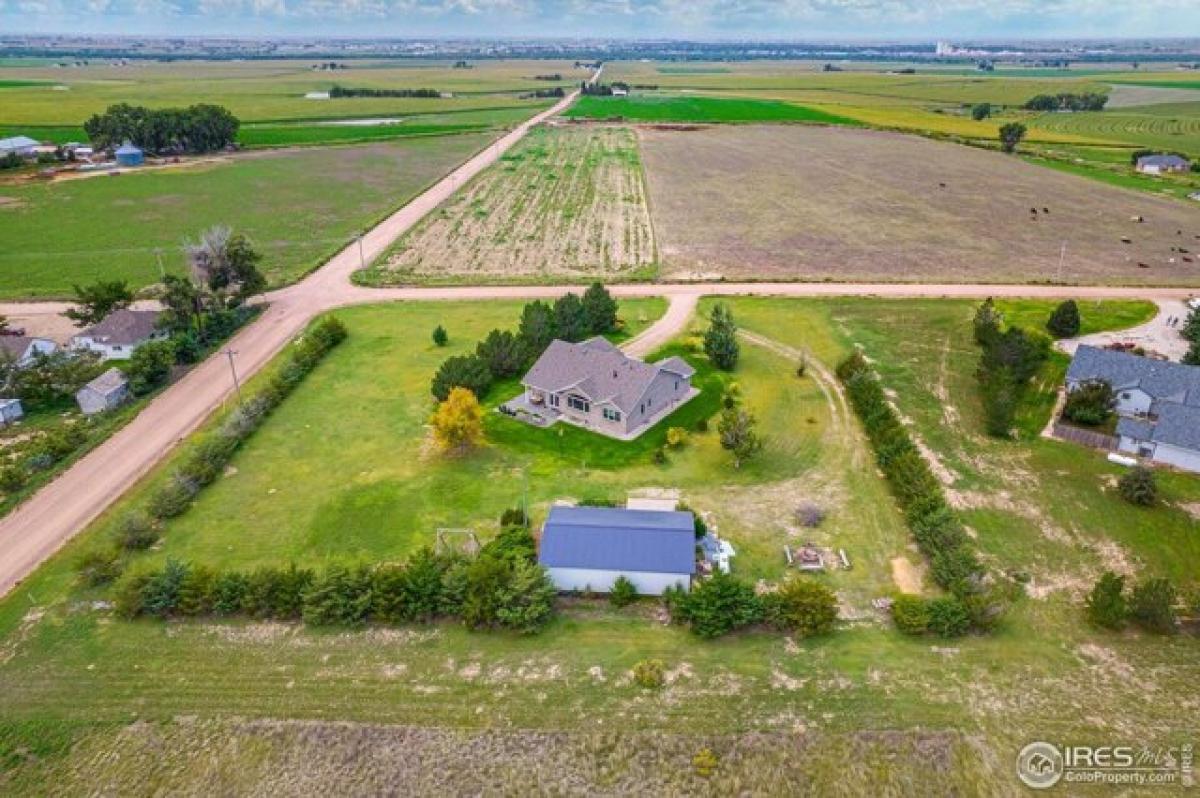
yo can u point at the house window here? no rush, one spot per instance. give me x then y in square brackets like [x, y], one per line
[554, 400]
[1125, 395]
[579, 403]
[611, 415]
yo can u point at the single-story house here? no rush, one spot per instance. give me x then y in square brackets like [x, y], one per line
[595, 385]
[106, 392]
[121, 332]
[10, 411]
[620, 92]
[1158, 402]
[22, 349]
[1161, 164]
[20, 145]
[587, 548]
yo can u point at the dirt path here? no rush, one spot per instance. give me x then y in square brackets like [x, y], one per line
[679, 312]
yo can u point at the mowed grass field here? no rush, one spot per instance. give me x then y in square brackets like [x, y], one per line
[776, 202]
[566, 203]
[297, 206]
[88, 701]
[55, 102]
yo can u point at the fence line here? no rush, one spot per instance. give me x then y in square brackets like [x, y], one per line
[1087, 437]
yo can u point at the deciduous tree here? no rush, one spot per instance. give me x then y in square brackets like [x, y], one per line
[458, 421]
[736, 427]
[94, 302]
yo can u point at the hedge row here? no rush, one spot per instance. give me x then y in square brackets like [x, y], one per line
[502, 587]
[934, 524]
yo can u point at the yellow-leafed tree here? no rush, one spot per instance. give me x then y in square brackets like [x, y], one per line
[458, 421]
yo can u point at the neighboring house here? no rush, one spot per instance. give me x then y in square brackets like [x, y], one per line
[120, 334]
[595, 385]
[1158, 401]
[587, 548]
[1161, 164]
[10, 411]
[620, 92]
[22, 349]
[21, 145]
[106, 392]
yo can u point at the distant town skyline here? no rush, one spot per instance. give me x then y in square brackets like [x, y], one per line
[776, 19]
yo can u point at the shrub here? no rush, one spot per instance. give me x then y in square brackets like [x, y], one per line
[702, 425]
[910, 614]
[172, 499]
[229, 593]
[127, 592]
[1106, 605]
[196, 591]
[1152, 605]
[136, 532]
[948, 617]
[660, 456]
[1090, 404]
[738, 435]
[12, 478]
[717, 606]
[440, 337]
[339, 597]
[803, 606]
[705, 763]
[526, 600]
[1138, 486]
[514, 544]
[150, 366]
[650, 673]
[810, 515]
[514, 516]
[623, 592]
[955, 569]
[1064, 322]
[276, 593]
[160, 592]
[99, 566]
[676, 437]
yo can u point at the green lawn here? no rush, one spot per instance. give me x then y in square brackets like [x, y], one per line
[342, 472]
[298, 207]
[675, 108]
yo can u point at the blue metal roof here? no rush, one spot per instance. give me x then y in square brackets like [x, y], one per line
[613, 539]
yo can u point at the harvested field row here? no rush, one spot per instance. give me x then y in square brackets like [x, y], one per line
[566, 202]
[810, 203]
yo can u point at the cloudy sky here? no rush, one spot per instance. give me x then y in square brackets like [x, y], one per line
[782, 19]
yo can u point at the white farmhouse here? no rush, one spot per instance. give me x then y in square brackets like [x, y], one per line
[22, 349]
[588, 548]
[121, 332]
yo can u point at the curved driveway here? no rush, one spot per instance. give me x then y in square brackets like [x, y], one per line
[40, 526]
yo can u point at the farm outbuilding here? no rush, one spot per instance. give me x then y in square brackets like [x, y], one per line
[588, 548]
[1161, 164]
[10, 411]
[129, 155]
[18, 145]
[106, 392]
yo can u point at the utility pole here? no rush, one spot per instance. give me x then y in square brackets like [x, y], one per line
[237, 386]
[362, 261]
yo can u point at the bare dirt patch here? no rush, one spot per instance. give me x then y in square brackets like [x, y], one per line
[908, 577]
[566, 201]
[797, 202]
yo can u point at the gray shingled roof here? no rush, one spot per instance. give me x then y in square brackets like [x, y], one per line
[15, 345]
[108, 382]
[1176, 425]
[615, 539]
[1172, 383]
[599, 371]
[124, 327]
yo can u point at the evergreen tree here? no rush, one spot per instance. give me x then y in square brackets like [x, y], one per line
[501, 352]
[440, 336]
[1137, 486]
[1192, 357]
[570, 324]
[1106, 605]
[987, 322]
[599, 309]
[720, 341]
[1064, 322]
[1152, 605]
[536, 330]
[461, 371]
